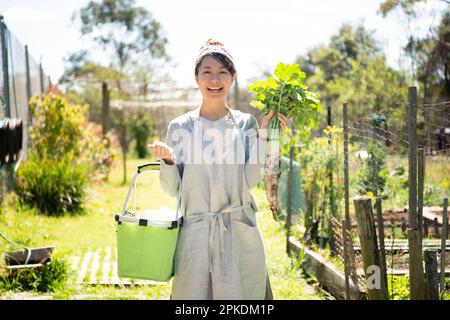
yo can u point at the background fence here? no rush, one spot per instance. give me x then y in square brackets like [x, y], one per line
[21, 77]
[398, 154]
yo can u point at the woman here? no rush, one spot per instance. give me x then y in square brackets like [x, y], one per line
[213, 157]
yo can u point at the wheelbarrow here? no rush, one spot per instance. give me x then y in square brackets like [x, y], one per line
[26, 258]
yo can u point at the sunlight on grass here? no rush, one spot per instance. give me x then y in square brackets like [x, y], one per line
[73, 235]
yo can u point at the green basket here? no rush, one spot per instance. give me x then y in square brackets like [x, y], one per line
[145, 247]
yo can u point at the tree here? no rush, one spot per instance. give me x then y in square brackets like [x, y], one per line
[353, 68]
[430, 54]
[128, 33]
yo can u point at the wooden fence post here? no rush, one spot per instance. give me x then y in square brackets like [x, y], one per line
[416, 274]
[369, 248]
[443, 243]
[382, 246]
[105, 108]
[431, 274]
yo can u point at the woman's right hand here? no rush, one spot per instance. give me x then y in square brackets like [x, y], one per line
[162, 151]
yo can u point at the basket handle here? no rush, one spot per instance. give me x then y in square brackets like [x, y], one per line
[147, 167]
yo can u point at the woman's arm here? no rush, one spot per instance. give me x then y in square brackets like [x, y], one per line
[255, 153]
[170, 170]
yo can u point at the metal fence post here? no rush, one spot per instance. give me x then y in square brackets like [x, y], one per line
[443, 244]
[5, 68]
[417, 279]
[41, 78]
[383, 265]
[420, 188]
[289, 198]
[346, 177]
[346, 260]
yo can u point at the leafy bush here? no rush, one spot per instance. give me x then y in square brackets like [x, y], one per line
[57, 127]
[54, 176]
[50, 278]
[141, 129]
[318, 158]
[54, 187]
[98, 152]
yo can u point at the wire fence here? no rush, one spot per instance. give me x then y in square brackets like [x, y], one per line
[21, 77]
[378, 163]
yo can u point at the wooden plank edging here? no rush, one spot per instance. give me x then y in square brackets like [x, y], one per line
[326, 273]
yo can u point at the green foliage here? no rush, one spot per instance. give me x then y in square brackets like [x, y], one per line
[319, 157]
[57, 127]
[127, 31]
[372, 178]
[66, 151]
[396, 187]
[398, 287]
[353, 68]
[53, 186]
[141, 129]
[52, 277]
[286, 93]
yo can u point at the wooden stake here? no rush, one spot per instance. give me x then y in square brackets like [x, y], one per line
[431, 274]
[369, 248]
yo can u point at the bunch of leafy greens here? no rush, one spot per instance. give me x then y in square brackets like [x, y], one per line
[288, 95]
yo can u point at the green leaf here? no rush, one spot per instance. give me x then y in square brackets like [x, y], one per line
[257, 104]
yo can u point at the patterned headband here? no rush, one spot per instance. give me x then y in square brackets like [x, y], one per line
[212, 46]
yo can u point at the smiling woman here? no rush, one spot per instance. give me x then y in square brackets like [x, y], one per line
[220, 252]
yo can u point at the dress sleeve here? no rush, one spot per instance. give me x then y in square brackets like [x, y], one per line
[255, 153]
[170, 174]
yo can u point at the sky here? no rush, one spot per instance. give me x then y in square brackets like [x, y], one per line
[258, 33]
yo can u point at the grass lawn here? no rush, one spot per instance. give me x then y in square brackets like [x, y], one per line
[95, 229]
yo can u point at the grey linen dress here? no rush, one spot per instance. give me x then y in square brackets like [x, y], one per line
[220, 252]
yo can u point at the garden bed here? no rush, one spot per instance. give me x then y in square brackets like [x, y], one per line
[332, 279]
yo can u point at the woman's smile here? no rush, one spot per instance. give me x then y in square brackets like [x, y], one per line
[213, 79]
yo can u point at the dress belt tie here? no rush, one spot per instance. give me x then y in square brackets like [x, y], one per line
[217, 223]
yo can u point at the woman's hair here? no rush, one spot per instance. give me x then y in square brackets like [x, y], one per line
[216, 50]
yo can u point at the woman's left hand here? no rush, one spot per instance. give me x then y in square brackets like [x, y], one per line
[266, 120]
[265, 123]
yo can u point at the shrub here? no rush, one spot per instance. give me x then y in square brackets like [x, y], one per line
[98, 152]
[57, 127]
[141, 129]
[52, 277]
[54, 187]
[54, 176]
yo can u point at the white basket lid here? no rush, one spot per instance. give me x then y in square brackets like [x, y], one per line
[163, 217]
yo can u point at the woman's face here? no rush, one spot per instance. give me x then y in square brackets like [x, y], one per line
[213, 79]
